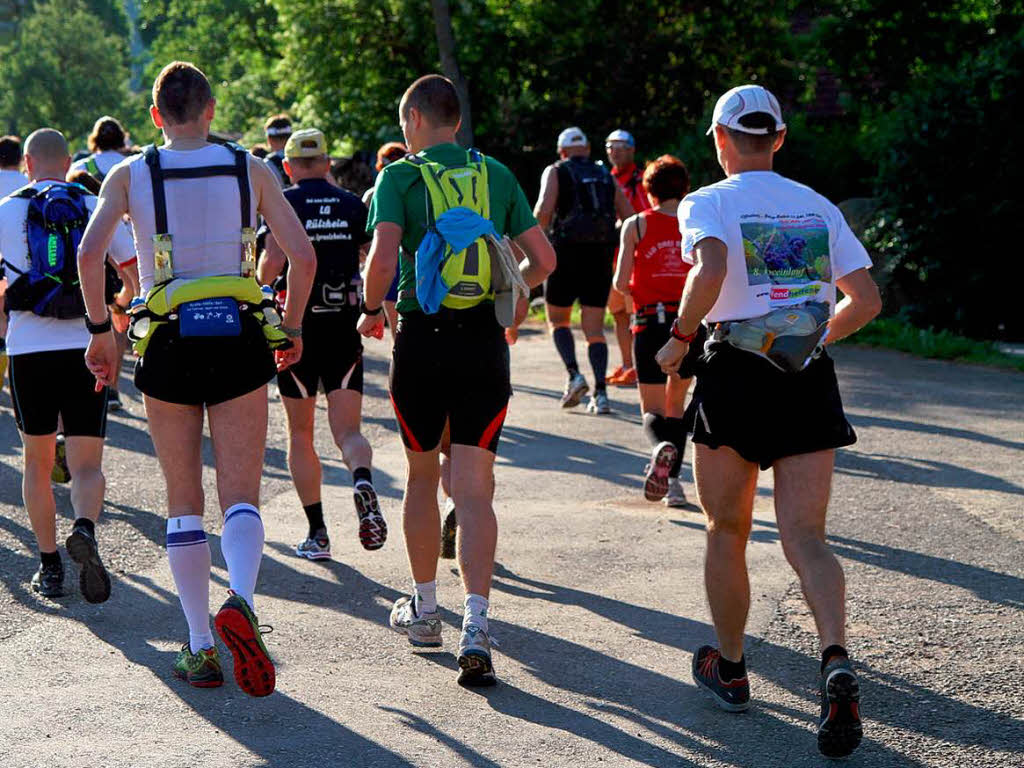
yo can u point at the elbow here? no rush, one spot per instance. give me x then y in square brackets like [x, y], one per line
[874, 305]
[547, 260]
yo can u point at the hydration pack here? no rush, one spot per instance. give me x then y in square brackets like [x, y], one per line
[94, 169]
[591, 217]
[467, 272]
[56, 219]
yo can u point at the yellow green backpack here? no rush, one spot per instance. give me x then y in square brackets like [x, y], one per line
[468, 272]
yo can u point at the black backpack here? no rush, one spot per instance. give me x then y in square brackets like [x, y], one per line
[56, 219]
[590, 219]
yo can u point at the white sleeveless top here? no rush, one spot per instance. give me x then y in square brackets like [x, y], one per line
[203, 215]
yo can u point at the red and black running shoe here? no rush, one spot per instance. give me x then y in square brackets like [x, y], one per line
[373, 530]
[840, 730]
[242, 634]
[732, 696]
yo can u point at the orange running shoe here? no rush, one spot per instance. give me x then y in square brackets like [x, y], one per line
[614, 376]
[626, 379]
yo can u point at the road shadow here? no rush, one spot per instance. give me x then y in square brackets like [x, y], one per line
[924, 472]
[861, 420]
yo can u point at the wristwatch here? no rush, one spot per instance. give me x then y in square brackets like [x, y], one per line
[291, 333]
[367, 311]
[679, 335]
[98, 328]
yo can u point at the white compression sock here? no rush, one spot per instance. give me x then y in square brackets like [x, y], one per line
[476, 611]
[241, 543]
[425, 596]
[188, 552]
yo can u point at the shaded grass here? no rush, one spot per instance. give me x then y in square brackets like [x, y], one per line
[893, 333]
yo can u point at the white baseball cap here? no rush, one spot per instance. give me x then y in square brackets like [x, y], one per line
[572, 137]
[620, 135]
[746, 100]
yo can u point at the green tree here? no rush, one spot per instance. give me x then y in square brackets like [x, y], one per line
[61, 69]
[235, 42]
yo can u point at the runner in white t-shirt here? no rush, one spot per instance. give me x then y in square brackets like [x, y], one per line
[11, 179]
[49, 380]
[107, 145]
[761, 243]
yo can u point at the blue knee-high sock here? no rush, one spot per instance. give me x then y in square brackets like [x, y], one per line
[597, 351]
[566, 346]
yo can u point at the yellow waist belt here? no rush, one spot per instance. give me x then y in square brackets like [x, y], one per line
[164, 299]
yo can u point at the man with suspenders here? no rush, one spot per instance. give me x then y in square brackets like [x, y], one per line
[205, 338]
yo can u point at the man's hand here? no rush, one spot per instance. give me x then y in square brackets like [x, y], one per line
[671, 355]
[371, 325]
[522, 310]
[119, 318]
[101, 359]
[290, 356]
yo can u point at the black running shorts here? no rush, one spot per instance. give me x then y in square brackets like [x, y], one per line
[47, 384]
[454, 367]
[743, 401]
[205, 370]
[582, 272]
[332, 358]
[646, 344]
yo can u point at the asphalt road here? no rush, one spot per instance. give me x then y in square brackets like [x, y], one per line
[597, 604]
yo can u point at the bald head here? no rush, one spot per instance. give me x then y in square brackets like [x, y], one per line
[46, 154]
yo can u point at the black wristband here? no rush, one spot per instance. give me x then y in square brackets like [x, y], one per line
[98, 328]
[367, 311]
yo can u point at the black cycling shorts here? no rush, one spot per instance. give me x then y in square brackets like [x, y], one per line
[450, 367]
[582, 272]
[332, 358]
[47, 384]
[743, 401]
[205, 370]
[648, 341]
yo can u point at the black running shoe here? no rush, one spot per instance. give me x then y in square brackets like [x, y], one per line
[732, 696]
[93, 578]
[113, 401]
[48, 581]
[840, 730]
[448, 536]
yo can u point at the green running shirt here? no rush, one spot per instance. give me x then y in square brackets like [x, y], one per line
[400, 198]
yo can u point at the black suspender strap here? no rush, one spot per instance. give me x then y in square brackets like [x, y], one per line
[242, 173]
[240, 170]
[156, 176]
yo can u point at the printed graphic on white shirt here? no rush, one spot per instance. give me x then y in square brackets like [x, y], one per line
[788, 254]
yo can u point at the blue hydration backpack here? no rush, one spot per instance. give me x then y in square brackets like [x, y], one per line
[54, 225]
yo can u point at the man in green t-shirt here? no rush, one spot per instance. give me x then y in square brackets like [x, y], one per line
[449, 371]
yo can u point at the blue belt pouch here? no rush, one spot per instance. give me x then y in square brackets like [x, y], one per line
[209, 317]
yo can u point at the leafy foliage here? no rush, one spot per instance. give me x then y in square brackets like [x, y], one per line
[60, 60]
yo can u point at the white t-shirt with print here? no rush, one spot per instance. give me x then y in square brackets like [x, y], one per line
[786, 243]
[105, 161]
[11, 181]
[27, 332]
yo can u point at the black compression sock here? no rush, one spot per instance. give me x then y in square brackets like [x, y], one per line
[360, 474]
[731, 670]
[654, 428]
[597, 351]
[315, 516]
[86, 524]
[677, 431]
[50, 558]
[566, 346]
[828, 653]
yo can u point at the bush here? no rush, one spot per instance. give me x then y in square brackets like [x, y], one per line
[949, 157]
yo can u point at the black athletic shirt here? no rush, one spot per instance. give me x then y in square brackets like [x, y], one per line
[335, 221]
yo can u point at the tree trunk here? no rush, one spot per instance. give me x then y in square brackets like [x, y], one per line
[450, 67]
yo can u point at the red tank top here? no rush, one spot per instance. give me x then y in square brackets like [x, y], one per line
[659, 271]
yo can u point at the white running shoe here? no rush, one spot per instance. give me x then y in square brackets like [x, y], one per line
[422, 629]
[675, 496]
[574, 391]
[599, 404]
[475, 666]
